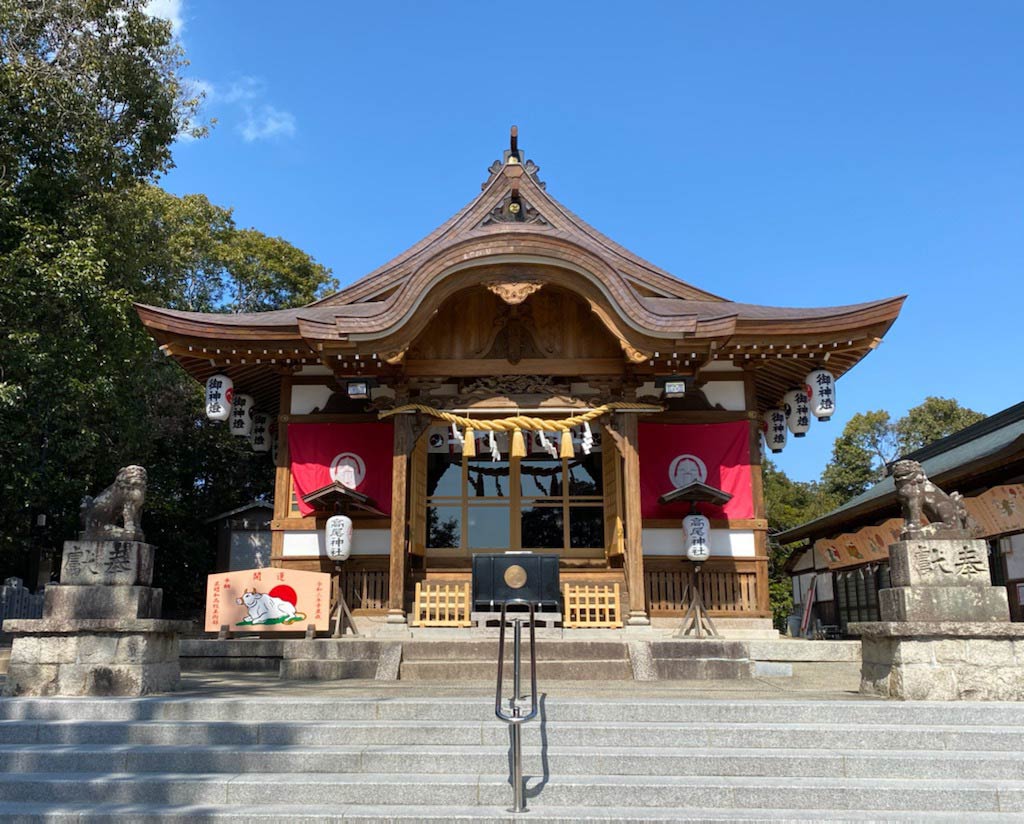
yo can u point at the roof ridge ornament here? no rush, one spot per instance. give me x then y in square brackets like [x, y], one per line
[513, 163]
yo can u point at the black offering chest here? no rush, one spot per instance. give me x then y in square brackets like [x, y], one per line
[522, 576]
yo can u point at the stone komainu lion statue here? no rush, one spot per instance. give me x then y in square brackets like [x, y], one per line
[919, 498]
[123, 501]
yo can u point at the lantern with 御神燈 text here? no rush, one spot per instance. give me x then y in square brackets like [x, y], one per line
[241, 415]
[260, 437]
[219, 395]
[774, 429]
[338, 533]
[697, 530]
[821, 391]
[798, 412]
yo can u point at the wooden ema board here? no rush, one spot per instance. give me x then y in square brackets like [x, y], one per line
[594, 606]
[268, 600]
[441, 605]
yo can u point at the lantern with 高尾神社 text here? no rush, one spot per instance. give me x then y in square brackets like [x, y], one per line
[774, 428]
[821, 391]
[697, 530]
[798, 412]
[260, 437]
[241, 415]
[219, 395]
[338, 533]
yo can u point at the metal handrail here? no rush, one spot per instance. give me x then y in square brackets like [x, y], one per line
[514, 719]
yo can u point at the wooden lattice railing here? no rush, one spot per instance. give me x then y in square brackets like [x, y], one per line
[724, 591]
[441, 605]
[365, 589]
[592, 605]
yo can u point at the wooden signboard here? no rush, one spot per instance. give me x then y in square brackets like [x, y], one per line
[268, 600]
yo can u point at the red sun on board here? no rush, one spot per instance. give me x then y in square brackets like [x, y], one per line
[285, 593]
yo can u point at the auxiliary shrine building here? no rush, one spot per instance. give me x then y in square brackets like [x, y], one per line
[518, 381]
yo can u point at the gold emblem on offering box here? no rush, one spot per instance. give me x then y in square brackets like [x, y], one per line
[515, 577]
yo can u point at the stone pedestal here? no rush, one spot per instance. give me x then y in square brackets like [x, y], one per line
[942, 661]
[101, 631]
[945, 633]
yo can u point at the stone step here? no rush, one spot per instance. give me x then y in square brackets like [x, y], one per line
[487, 650]
[702, 669]
[326, 669]
[456, 671]
[561, 734]
[67, 813]
[471, 790]
[254, 709]
[560, 761]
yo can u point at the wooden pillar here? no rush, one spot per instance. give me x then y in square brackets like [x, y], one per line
[403, 443]
[282, 475]
[634, 568]
[757, 491]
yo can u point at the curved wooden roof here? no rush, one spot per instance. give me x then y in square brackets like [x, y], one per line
[652, 313]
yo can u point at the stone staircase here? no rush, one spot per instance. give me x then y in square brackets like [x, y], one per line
[475, 660]
[405, 758]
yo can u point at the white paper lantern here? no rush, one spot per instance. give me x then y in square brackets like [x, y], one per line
[798, 412]
[219, 394]
[697, 530]
[339, 537]
[260, 438]
[821, 391]
[241, 415]
[774, 429]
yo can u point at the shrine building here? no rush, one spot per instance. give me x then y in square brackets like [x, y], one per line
[516, 380]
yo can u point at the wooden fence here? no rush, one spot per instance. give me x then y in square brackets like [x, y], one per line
[592, 606]
[365, 589]
[725, 591]
[441, 605]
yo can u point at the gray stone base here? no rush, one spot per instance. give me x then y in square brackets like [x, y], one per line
[65, 601]
[919, 661]
[115, 663]
[965, 603]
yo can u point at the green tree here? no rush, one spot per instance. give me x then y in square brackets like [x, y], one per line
[871, 440]
[931, 420]
[91, 100]
[859, 455]
[788, 504]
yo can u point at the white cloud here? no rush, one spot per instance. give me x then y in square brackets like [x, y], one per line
[266, 122]
[168, 10]
[245, 88]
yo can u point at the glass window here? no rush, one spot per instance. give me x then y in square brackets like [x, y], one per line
[542, 527]
[540, 477]
[536, 502]
[487, 478]
[444, 475]
[444, 527]
[585, 475]
[586, 527]
[489, 527]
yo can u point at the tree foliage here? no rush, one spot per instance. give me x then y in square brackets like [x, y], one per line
[931, 420]
[788, 504]
[871, 440]
[91, 100]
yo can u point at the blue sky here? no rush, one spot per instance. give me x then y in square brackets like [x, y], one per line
[795, 154]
